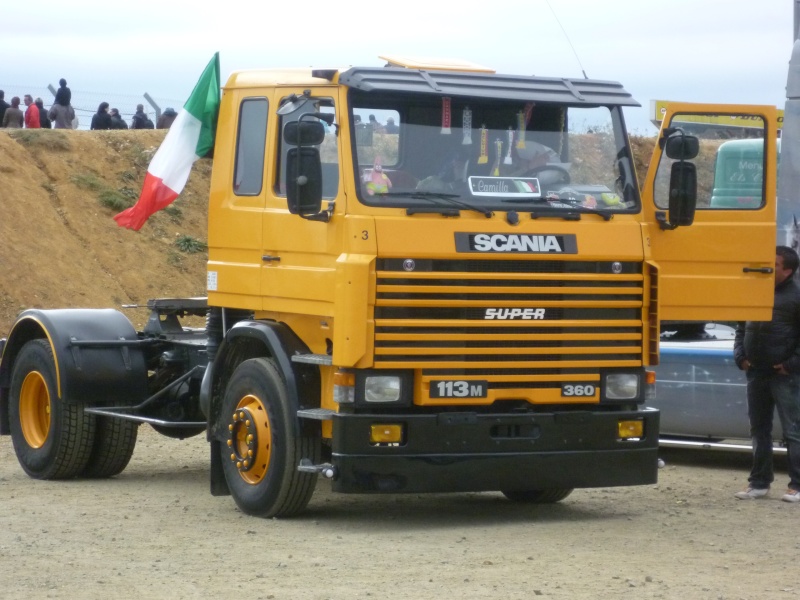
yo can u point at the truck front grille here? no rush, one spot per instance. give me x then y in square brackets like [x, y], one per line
[517, 324]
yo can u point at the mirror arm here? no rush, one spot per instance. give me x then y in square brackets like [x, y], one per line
[666, 133]
[661, 217]
[323, 215]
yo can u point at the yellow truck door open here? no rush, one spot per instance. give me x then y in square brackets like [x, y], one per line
[719, 267]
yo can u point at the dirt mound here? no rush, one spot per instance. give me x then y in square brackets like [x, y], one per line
[642, 153]
[59, 245]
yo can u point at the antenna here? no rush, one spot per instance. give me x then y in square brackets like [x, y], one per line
[570, 41]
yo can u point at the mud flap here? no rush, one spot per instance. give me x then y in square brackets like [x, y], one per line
[219, 487]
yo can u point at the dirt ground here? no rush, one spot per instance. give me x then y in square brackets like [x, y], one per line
[156, 532]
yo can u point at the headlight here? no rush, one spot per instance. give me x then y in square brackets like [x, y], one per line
[382, 388]
[622, 386]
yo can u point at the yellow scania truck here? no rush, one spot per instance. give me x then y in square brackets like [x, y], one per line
[422, 277]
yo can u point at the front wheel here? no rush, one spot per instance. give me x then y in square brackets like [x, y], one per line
[52, 439]
[546, 496]
[264, 447]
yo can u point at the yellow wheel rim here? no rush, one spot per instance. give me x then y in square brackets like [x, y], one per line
[250, 439]
[34, 409]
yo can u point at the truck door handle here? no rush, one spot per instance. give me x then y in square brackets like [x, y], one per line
[757, 269]
[270, 258]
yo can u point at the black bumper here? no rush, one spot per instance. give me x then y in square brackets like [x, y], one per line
[461, 452]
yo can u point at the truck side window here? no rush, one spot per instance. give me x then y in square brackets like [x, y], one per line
[328, 149]
[250, 143]
[730, 164]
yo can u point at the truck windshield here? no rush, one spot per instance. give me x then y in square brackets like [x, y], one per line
[486, 154]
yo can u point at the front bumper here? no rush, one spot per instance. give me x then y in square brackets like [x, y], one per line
[461, 452]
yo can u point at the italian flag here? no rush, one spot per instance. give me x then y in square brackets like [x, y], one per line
[190, 137]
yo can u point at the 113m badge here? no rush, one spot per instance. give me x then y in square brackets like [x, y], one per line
[459, 389]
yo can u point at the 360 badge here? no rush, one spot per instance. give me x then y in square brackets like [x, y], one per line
[578, 390]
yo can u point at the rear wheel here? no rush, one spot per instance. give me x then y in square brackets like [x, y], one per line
[547, 496]
[114, 441]
[52, 439]
[264, 446]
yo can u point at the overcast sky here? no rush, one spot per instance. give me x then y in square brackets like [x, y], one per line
[733, 51]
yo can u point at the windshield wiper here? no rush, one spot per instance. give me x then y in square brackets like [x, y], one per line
[525, 200]
[572, 214]
[434, 196]
[575, 208]
[567, 215]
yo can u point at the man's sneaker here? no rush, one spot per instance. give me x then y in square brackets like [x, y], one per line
[791, 496]
[752, 493]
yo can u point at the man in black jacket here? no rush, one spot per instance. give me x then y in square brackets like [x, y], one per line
[116, 120]
[3, 106]
[140, 119]
[769, 352]
[44, 120]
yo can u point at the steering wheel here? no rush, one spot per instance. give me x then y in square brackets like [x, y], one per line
[561, 172]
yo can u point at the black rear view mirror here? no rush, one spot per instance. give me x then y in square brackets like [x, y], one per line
[304, 133]
[303, 181]
[682, 147]
[682, 179]
[682, 193]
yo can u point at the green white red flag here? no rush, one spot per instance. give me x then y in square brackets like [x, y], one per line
[190, 137]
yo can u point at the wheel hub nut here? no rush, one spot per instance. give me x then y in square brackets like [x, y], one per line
[242, 439]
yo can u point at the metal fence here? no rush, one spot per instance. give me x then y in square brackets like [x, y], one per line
[85, 102]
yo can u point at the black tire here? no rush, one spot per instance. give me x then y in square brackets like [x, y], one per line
[267, 483]
[52, 439]
[547, 496]
[114, 441]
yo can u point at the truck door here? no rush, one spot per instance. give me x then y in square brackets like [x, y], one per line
[298, 273]
[719, 267]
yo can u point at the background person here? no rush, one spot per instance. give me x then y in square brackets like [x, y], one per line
[3, 106]
[31, 114]
[101, 119]
[166, 119]
[769, 352]
[63, 94]
[13, 116]
[62, 116]
[44, 120]
[116, 120]
[375, 125]
[61, 113]
[141, 120]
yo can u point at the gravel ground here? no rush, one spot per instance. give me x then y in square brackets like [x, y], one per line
[156, 532]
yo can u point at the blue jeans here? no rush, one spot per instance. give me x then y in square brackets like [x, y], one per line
[765, 392]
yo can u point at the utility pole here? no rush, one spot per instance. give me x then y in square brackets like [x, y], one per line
[157, 108]
[796, 19]
[789, 161]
